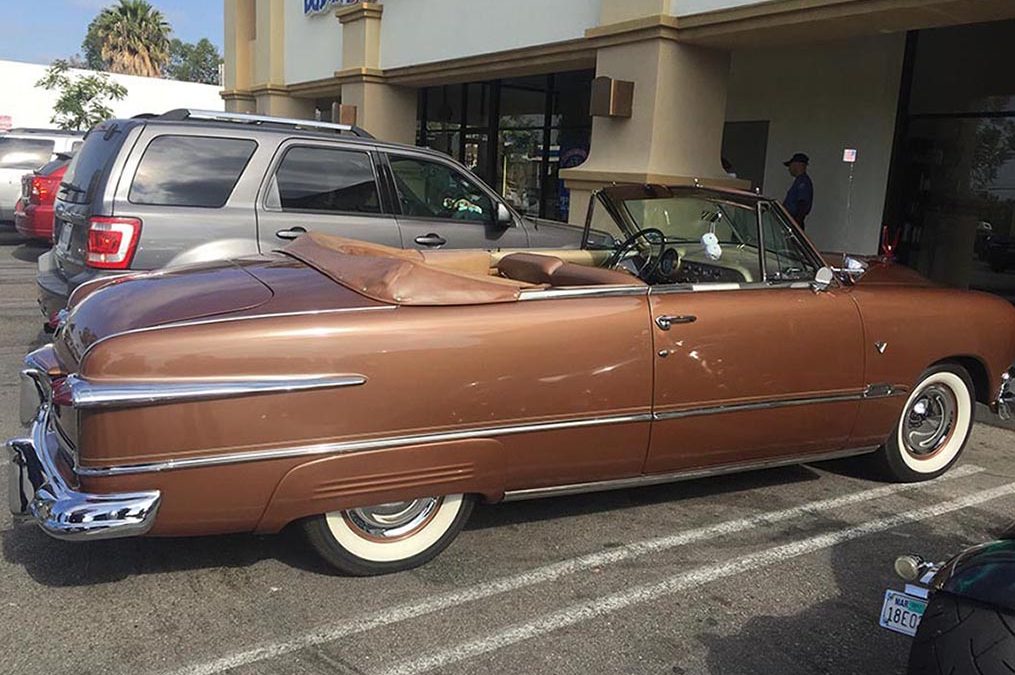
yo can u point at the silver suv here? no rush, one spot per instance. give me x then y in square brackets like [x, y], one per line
[24, 150]
[190, 186]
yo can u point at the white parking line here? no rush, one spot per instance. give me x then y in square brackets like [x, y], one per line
[399, 613]
[703, 575]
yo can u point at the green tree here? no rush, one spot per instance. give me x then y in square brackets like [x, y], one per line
[91, 48]
[83, 99]
[193, 62]
[133, 38]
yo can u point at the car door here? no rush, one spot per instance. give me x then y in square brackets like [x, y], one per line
[750, 372]
[439, 205]
[327, 188]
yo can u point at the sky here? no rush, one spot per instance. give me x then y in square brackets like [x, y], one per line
[38, 32]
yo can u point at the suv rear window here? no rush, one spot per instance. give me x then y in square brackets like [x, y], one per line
[190, 170]
[92, 161]
[24, 153]
[325, 179]
[50, 167]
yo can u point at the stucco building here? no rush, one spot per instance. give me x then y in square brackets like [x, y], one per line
[922, 90]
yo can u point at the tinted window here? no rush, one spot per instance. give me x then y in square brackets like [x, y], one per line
[24, 153]
[435, 190]
[323, 179]
[90, 164]
[190, 171]
[50, 167]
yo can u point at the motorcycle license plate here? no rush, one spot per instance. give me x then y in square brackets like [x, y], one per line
[902, 613]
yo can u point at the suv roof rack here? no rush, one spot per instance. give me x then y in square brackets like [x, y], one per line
[50, 132]
[182, 114]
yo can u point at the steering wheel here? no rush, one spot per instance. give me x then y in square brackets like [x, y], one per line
[655, 239]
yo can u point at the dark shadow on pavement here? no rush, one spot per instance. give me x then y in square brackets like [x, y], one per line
[61, 564]
[840, 634]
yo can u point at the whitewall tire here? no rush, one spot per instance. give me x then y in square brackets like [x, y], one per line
[934, 426]
[388, 537]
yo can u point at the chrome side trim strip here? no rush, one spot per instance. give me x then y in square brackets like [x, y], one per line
[89, 394]
[871, 391]
[760, 405]
[227, 319]
[358, 446]
[676, 476]
[584, 292]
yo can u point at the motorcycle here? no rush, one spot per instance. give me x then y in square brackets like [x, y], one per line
[960, 613]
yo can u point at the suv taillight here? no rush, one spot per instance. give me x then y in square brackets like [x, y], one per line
[111, 242]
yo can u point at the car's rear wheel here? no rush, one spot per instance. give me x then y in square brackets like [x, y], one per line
[934, 426]
[388, 537]
[958, 636]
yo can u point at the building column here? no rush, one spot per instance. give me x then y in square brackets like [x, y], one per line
[674, 133]
[387, 111]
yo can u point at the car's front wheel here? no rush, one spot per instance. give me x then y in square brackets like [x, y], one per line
[958, 636]
[388, 537]
[934, 426]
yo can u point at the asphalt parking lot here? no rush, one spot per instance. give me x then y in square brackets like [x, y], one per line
[780, 571]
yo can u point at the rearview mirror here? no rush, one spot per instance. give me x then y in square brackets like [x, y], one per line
[823, 279]
[504, 218]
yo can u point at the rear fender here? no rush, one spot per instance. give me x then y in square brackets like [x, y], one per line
[359, 479]
[983, 573]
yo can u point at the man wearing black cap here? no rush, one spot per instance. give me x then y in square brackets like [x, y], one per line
[800, 196]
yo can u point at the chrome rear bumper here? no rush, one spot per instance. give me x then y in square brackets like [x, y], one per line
[38, 490]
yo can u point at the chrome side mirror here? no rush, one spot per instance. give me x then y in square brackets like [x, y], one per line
[504, 218]
[823, 279]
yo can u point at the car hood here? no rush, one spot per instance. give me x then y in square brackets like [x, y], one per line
[884, 273]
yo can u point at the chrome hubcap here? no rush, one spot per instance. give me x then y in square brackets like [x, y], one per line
[394, 519]
[929, 421]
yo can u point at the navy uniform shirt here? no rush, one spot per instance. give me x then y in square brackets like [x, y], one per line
[802, 190]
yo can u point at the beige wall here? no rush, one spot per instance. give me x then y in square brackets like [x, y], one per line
[821, 99]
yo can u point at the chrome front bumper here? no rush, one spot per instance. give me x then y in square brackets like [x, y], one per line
[1004, 404]
[38, 490]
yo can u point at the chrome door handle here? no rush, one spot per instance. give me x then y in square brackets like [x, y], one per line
[431, 239]
[291, 233]
[664, 322]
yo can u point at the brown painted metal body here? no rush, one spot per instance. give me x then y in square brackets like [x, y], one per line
[490, 398]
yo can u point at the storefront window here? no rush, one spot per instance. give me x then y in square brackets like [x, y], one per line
[536, 125]
[952, 212]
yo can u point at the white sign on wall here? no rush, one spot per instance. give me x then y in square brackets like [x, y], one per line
[849, 155]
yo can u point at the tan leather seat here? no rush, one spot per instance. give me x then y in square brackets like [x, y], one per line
[544, 269]
[529, 267]
[570, 274]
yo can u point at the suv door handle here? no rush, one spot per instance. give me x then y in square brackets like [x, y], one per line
[291, 233]
[664, 322]
[431, 239]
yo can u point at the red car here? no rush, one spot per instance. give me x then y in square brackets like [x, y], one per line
[33, 214]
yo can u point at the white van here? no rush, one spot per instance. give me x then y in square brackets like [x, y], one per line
[24, 150]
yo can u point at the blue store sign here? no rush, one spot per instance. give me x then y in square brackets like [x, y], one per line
[320, 6]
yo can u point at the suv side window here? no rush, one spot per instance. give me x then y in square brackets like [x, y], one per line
[190, 171]
[786, 257]
[435, 190]
[325, 180]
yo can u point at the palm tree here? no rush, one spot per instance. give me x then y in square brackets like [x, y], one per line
[134, 38]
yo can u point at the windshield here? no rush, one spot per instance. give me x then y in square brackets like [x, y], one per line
[688, 218]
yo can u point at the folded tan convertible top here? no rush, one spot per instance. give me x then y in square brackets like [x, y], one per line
[405, 277]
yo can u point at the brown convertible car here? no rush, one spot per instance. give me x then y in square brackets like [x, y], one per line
[373, 394]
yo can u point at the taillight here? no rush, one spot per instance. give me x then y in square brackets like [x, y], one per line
[63, 394]
[111, 242]
[43, 190]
